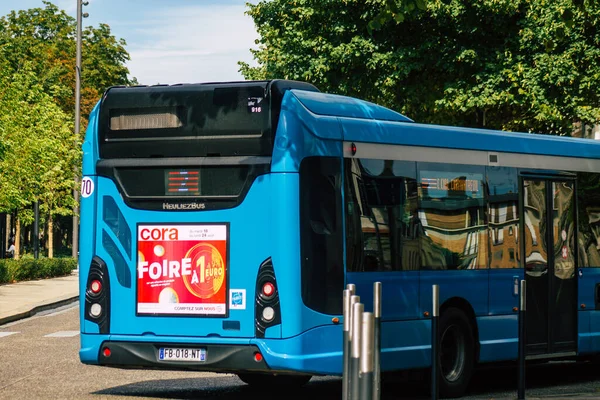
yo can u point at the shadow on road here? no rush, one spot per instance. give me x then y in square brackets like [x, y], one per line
[224, 388]
[230, 388]
[553, 380]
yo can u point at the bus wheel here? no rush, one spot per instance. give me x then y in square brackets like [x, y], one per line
[272, 380]
[456, 353]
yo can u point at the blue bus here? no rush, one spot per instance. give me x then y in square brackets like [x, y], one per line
[220, 223]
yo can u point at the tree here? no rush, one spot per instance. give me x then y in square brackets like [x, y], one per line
[527, 65]
[38, 148]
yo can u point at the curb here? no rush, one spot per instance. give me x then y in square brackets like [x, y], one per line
[38, 309]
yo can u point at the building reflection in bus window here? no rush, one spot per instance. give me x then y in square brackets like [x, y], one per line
[503, 217]
[536, 255]
[563, 229]
[382, 225]
[452, 214]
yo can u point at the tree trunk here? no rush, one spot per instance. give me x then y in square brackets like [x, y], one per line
[17, 237]
[50, 237]
[8, 231]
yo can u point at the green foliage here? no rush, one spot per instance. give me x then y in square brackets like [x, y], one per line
[29, 269]
[397, 11]
[524, 65]
[46, 38]
[39, 146]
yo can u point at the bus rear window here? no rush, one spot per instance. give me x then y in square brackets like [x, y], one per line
[134, 119]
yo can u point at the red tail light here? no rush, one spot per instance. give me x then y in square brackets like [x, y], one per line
[268, 289]
[96, 286]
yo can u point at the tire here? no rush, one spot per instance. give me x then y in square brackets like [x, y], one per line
[273, 380]
[456, 359]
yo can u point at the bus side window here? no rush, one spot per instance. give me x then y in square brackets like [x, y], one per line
[588, 205]
[503, 217]
[321, 233]
[453, 216]
[381, 201]
[354, 247]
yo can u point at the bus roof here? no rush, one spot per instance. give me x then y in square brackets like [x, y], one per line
[362, 121]
[343, 106]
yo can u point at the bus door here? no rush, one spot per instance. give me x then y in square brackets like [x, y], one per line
[549, 244]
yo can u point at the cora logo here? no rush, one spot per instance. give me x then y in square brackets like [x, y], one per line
[159, 234]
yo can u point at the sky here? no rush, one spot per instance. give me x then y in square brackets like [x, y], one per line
[170, 41]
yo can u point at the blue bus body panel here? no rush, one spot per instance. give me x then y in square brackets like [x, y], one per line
[399, 294]
[405, 344]
[89, 347]
[499, 337]
[317, 350]
[299, 135]
[586, 337]
[90, 145]
[87, 228]
[502, 296]
[588, 318]
[470, 285]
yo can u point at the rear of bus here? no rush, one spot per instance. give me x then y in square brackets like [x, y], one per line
[190, 244]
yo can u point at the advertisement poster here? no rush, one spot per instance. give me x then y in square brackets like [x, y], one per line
[182, 270]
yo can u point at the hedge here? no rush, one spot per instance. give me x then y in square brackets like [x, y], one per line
[26, 269]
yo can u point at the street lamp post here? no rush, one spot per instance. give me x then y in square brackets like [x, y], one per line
[80, 15]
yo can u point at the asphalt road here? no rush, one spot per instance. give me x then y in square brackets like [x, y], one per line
[39, 360]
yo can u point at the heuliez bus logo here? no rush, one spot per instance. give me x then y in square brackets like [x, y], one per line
[182, 269]
[183, 206]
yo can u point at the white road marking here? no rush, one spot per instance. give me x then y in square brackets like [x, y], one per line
[3, 334]
[63, 334]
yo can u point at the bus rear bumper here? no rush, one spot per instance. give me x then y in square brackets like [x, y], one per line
[142, 352]
[310, 352]
[219, 358]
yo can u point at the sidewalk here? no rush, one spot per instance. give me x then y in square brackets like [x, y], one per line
[24, 299]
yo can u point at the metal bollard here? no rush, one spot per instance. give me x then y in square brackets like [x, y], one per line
[353, 300]
[352, 288]
[435, 341]
[348, 381]
[353, 384]
[522, 316]
[346, 343]
[377, 340]
[366, 357]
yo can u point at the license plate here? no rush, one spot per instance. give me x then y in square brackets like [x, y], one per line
[180, 354]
